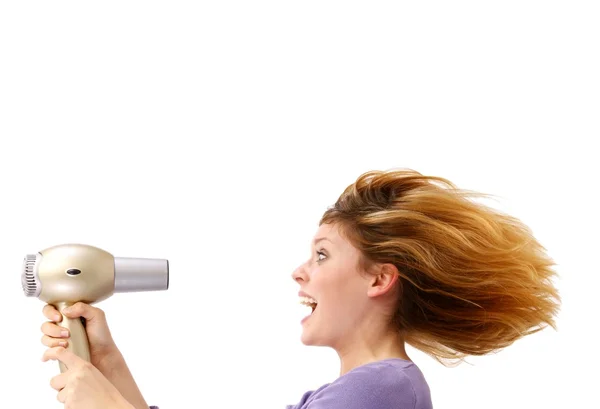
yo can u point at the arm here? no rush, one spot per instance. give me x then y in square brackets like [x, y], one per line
[115, 369]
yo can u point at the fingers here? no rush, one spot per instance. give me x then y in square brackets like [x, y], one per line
[54, 342]
[53, 330]
[54, 335]
[84, 310]
[62, 396]
[51, 313]
[63, 355]
[76, 310]
[59, 381]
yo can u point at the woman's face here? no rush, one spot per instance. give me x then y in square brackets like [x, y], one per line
[332, 278]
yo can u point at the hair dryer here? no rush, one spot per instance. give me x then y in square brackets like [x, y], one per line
[65, 274]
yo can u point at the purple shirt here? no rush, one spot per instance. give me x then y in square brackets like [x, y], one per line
[386, 384]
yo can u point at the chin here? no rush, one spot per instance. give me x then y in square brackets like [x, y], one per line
[306, 339]
[311, 340]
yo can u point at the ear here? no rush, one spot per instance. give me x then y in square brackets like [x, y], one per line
[383, 279]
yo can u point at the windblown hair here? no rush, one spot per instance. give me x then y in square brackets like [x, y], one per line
[472, 279]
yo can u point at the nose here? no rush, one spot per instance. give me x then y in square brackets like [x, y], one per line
[299, 275]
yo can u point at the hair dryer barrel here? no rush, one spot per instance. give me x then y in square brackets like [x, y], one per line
[141, 274]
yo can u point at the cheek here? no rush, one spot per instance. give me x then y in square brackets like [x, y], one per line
[343, 289]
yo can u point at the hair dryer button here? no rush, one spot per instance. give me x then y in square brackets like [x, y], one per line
[73, 271]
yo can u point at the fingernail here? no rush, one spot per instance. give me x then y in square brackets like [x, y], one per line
[62, 343]
[64, 333]
[57, 317]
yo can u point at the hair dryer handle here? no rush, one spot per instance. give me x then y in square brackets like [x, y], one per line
[78, 340]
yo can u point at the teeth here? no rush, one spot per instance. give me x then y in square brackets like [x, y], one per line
[308, 301]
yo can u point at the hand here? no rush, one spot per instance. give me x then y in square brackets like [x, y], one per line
[82, 386]
[104, 354]
[102, 345]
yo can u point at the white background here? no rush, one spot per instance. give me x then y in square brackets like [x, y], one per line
[215, 134]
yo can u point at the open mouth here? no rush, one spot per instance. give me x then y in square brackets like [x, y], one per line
[309, 302]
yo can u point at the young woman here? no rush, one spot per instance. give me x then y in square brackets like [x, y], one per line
[401, 258]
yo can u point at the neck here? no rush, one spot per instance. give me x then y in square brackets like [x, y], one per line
[365, 349]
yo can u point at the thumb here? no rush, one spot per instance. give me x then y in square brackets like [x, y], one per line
[84, 310]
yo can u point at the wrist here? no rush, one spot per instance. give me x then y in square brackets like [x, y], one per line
[124, 405]
[110, 362]
[115, 369]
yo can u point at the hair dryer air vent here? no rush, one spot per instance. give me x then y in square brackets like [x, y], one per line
[29, 280]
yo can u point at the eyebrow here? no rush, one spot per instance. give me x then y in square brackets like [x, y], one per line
[321, 239]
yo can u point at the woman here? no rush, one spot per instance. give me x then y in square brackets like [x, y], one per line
[401, 258]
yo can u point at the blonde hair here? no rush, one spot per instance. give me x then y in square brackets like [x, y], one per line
[472, 279]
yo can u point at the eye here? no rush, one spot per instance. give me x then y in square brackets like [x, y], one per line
[321, 256]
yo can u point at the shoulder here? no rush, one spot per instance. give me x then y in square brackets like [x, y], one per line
[385, 384]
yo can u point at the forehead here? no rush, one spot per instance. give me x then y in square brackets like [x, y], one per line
[337, 244]
[332, 234]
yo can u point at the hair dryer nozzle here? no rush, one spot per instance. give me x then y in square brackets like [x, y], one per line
[141, 274]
